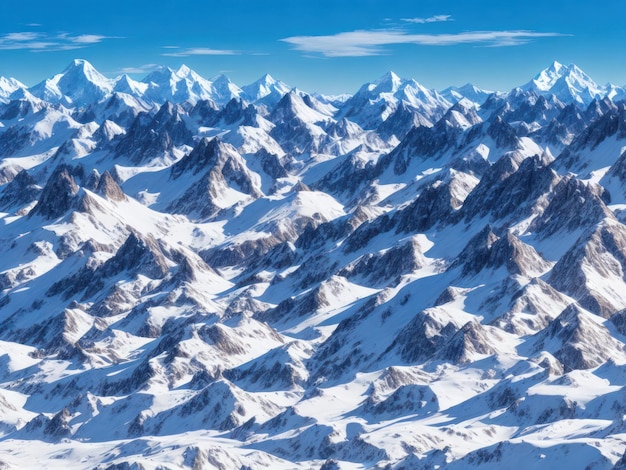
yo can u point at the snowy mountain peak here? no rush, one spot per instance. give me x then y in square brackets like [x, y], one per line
[265, 90]
[160, 75]
[80, 84]
[125, 84]
[469, 91]
[183, 71]
[9, 86]
[79, 72]
[224, 90]
[551, 73]
[81, 64]
[547, 78]
[389, 83]
[178, 86]
[567, 83]
[223, 83]
[294, 106]
[266, 79]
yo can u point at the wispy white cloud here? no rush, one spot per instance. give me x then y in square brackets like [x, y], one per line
[45, 42]
[197, 51]
[372, 42]
[89, 39]
[430, 19]
[24, 36]
[145, 68]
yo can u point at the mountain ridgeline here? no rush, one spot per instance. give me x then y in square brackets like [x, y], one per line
[201, 275]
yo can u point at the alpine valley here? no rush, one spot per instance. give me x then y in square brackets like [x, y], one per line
[199, 275]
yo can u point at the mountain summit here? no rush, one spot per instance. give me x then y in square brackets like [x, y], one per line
[567, 83]
[79, 84]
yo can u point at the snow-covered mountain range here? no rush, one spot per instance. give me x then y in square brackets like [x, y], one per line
[197, 275]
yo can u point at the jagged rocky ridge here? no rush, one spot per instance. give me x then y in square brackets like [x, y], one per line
[198, 275]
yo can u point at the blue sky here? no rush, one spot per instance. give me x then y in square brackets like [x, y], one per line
[327, 46]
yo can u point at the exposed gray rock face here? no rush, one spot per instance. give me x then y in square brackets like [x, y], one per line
[531, 308]
[618, 169]
[204, 111]
[471, 340]
[279, 369]
[138, 254]
[619, 320]
[204, 155]
[349, 176]
[13, 139]
[511, 187]
[20, 191]
[116, 109]
[562, 129]
[222, 168]
[271, 164]
[105, 186]
[58, 426]
[406, 400]
[577, 340]
[573, 205]
[381, 268]
[434, 205]
[235, 254]
[318, 235]
[58, 195]
[600, 253]
[371, 105]
[400, 123]
[108, 187]
[234, 112]
[366, 232]
[219, 406]
[486, 251]
[16, 108]
[502, 133]
[611, 124]
[423, 337]
[149, 137]
[300, 306]
[422, 142]
[290, 131]
[523, 105]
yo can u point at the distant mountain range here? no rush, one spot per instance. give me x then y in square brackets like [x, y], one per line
[198, 275]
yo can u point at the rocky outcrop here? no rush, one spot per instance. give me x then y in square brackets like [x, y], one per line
[467, 343]
[578, 340]
[153, 137]
[138, 254]
[421, 339]
[488, 251]
[21, 191]
[586, 270]
[58, 195]
[573, 205]
[386, 267]
[513, 186]
[223, 169]
[434, 205]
